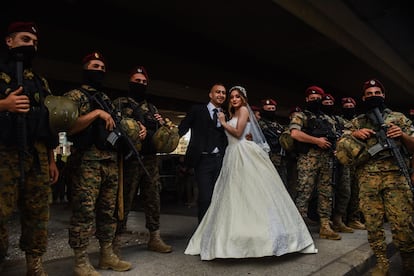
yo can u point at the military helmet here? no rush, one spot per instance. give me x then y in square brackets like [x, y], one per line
[166, 139]
[350, 151]
[131, 129]
[63, 113]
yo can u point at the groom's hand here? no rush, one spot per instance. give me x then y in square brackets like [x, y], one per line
[249, 136]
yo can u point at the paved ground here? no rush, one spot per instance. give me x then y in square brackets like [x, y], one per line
[349, 256]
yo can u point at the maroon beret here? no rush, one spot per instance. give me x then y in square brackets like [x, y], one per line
[21, 26]
[139, 69]
[314, 90]
[255, 108]
[328, 97]
[295, 109]
[93, 56]
[268, 102]
[373, 83]
[348, 100]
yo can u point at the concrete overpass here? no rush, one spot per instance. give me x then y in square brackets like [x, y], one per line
[273, 48]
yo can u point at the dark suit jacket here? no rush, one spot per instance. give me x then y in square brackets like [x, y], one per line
[198, 119]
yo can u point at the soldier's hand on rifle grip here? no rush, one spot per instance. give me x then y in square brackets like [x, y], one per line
[109, 121]
[17, 103]
[394, 131]
[363, 133]
[142, 131]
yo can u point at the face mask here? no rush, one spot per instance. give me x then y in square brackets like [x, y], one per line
[348, 113]
[137, 91]
[373, 102]
[327, 109]
[23, 53]
[270, 115]
[94, 78]
[314, 106]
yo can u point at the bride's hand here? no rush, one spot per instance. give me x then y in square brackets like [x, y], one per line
[221, 117]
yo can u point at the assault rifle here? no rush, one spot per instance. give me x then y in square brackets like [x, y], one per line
[118, 135]
[385, 143]
[21, 125]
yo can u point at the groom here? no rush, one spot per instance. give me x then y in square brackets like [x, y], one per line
[207, 144]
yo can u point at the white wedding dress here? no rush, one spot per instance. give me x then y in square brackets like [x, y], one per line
[251, 213]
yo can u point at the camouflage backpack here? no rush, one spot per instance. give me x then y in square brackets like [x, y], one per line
[286, 141]
[166, 138]
[131, 129]
[350, 151]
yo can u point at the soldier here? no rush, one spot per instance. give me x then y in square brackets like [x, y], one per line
[384, 191]
[136, 106]
[26, 146]
[316, 132]
[340, 174]
[94, 194]
[353, 218]
[272, 131]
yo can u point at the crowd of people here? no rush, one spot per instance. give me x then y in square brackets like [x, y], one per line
[342, 171]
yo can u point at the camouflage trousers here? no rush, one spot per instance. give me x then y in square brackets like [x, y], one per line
[386, 194]
[315, 171]
[342, 189]
[94, 198]
[353, 211]
[137, 181]
[32, 201]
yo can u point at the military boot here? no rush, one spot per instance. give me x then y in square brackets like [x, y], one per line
[326, 232]
[339, 225]
[382, 266]
[34, 266]
[407, 260]
[156, 244]
[108, 260]
[82, 265]
[356, 224]
[116, 245]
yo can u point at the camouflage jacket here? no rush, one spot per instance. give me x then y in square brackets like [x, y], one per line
[37, 119]
[382, 161]
[85, 106]
[305, 121]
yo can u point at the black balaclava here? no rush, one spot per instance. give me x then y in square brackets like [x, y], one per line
[94, 78]
[23, 53]
[314, 106]
[348, 113]
[269, 115]
[373, 102]
[137, 91]
[328, 109]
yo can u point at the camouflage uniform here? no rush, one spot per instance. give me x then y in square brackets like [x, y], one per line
[135, 177]
[94, 194]
[314, 169]
[384, 191]
[272, 131]
[33, 204]
[348, 178]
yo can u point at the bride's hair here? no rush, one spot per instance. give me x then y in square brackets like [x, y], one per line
[242, 93]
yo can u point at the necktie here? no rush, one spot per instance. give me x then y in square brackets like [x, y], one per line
[215, 110]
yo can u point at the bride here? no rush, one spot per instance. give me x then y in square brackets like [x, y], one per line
[251, 214]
